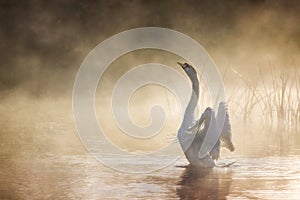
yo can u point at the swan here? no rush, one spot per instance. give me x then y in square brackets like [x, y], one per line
[191, 133]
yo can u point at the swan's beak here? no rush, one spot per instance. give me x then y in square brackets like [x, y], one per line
[181, 65]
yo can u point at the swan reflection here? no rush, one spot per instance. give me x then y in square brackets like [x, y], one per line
[204, 183]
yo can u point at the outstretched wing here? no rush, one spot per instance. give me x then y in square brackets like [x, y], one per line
[209, 135]
[226, 135]
[201, 134]
[215, 152]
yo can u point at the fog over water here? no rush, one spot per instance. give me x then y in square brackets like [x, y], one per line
[255, 45]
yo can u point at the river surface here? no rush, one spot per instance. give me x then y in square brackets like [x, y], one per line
[82, 177]
[41, 157]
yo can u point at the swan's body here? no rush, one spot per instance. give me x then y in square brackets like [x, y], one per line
[191, 134]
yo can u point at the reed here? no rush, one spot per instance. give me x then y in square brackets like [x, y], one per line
[273, 99]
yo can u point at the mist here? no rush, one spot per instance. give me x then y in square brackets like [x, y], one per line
[44, 43]
[255, 45]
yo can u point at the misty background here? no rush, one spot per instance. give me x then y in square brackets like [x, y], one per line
[254, 43]
[43, 44]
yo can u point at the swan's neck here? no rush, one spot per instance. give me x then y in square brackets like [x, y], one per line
[189, 116]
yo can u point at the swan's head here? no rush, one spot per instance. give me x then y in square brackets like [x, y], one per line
[189, 69]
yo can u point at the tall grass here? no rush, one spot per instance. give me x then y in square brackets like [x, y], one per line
[272, 99]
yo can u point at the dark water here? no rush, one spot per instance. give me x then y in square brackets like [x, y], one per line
[81, 177]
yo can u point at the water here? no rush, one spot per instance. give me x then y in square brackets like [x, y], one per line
[81, 177]
[41, 158]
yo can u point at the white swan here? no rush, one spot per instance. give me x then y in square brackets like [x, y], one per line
[191, 133]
